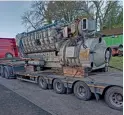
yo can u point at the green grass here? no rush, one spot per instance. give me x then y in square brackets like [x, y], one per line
[116, 62]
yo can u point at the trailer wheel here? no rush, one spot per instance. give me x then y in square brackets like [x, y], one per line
[114, 97]
[6, 72]
[58, 86]
[2, 71]
[82, 91]
[42, 83]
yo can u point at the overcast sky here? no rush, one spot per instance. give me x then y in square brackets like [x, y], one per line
[10, 17]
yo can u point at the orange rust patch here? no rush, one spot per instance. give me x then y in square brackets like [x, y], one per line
[84, 54]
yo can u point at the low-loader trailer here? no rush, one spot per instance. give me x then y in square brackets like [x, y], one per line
[67, 59]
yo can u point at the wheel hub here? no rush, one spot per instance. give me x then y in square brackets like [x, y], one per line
[58, 86]
[119, 97]
[42, 82]
[81, 91]
[116, 99]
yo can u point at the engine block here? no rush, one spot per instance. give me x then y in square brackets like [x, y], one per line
[67, 46]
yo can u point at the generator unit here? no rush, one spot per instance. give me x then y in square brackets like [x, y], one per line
[70, 46]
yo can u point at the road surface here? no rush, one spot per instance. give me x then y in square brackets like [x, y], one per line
[49, 101]
[13, 104]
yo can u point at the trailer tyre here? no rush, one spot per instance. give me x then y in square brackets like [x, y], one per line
[42, 83]
[6, 72]
[82, 91]
[114, 97]
[58, 86]
[2, 71]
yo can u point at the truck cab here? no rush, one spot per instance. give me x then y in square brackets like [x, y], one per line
[8, 48]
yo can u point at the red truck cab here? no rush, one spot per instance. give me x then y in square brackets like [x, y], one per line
[8, 48]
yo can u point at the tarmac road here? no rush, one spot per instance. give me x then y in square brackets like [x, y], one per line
[13, 104]
[48, 100]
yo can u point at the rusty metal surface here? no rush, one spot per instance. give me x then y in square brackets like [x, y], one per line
[84, 54]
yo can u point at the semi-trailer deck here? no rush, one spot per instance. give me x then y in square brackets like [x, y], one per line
[68, 58]
[108, 84]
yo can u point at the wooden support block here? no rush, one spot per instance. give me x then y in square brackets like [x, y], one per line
[73, 71]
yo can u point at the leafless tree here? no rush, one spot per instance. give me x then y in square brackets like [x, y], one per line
[104, 12]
